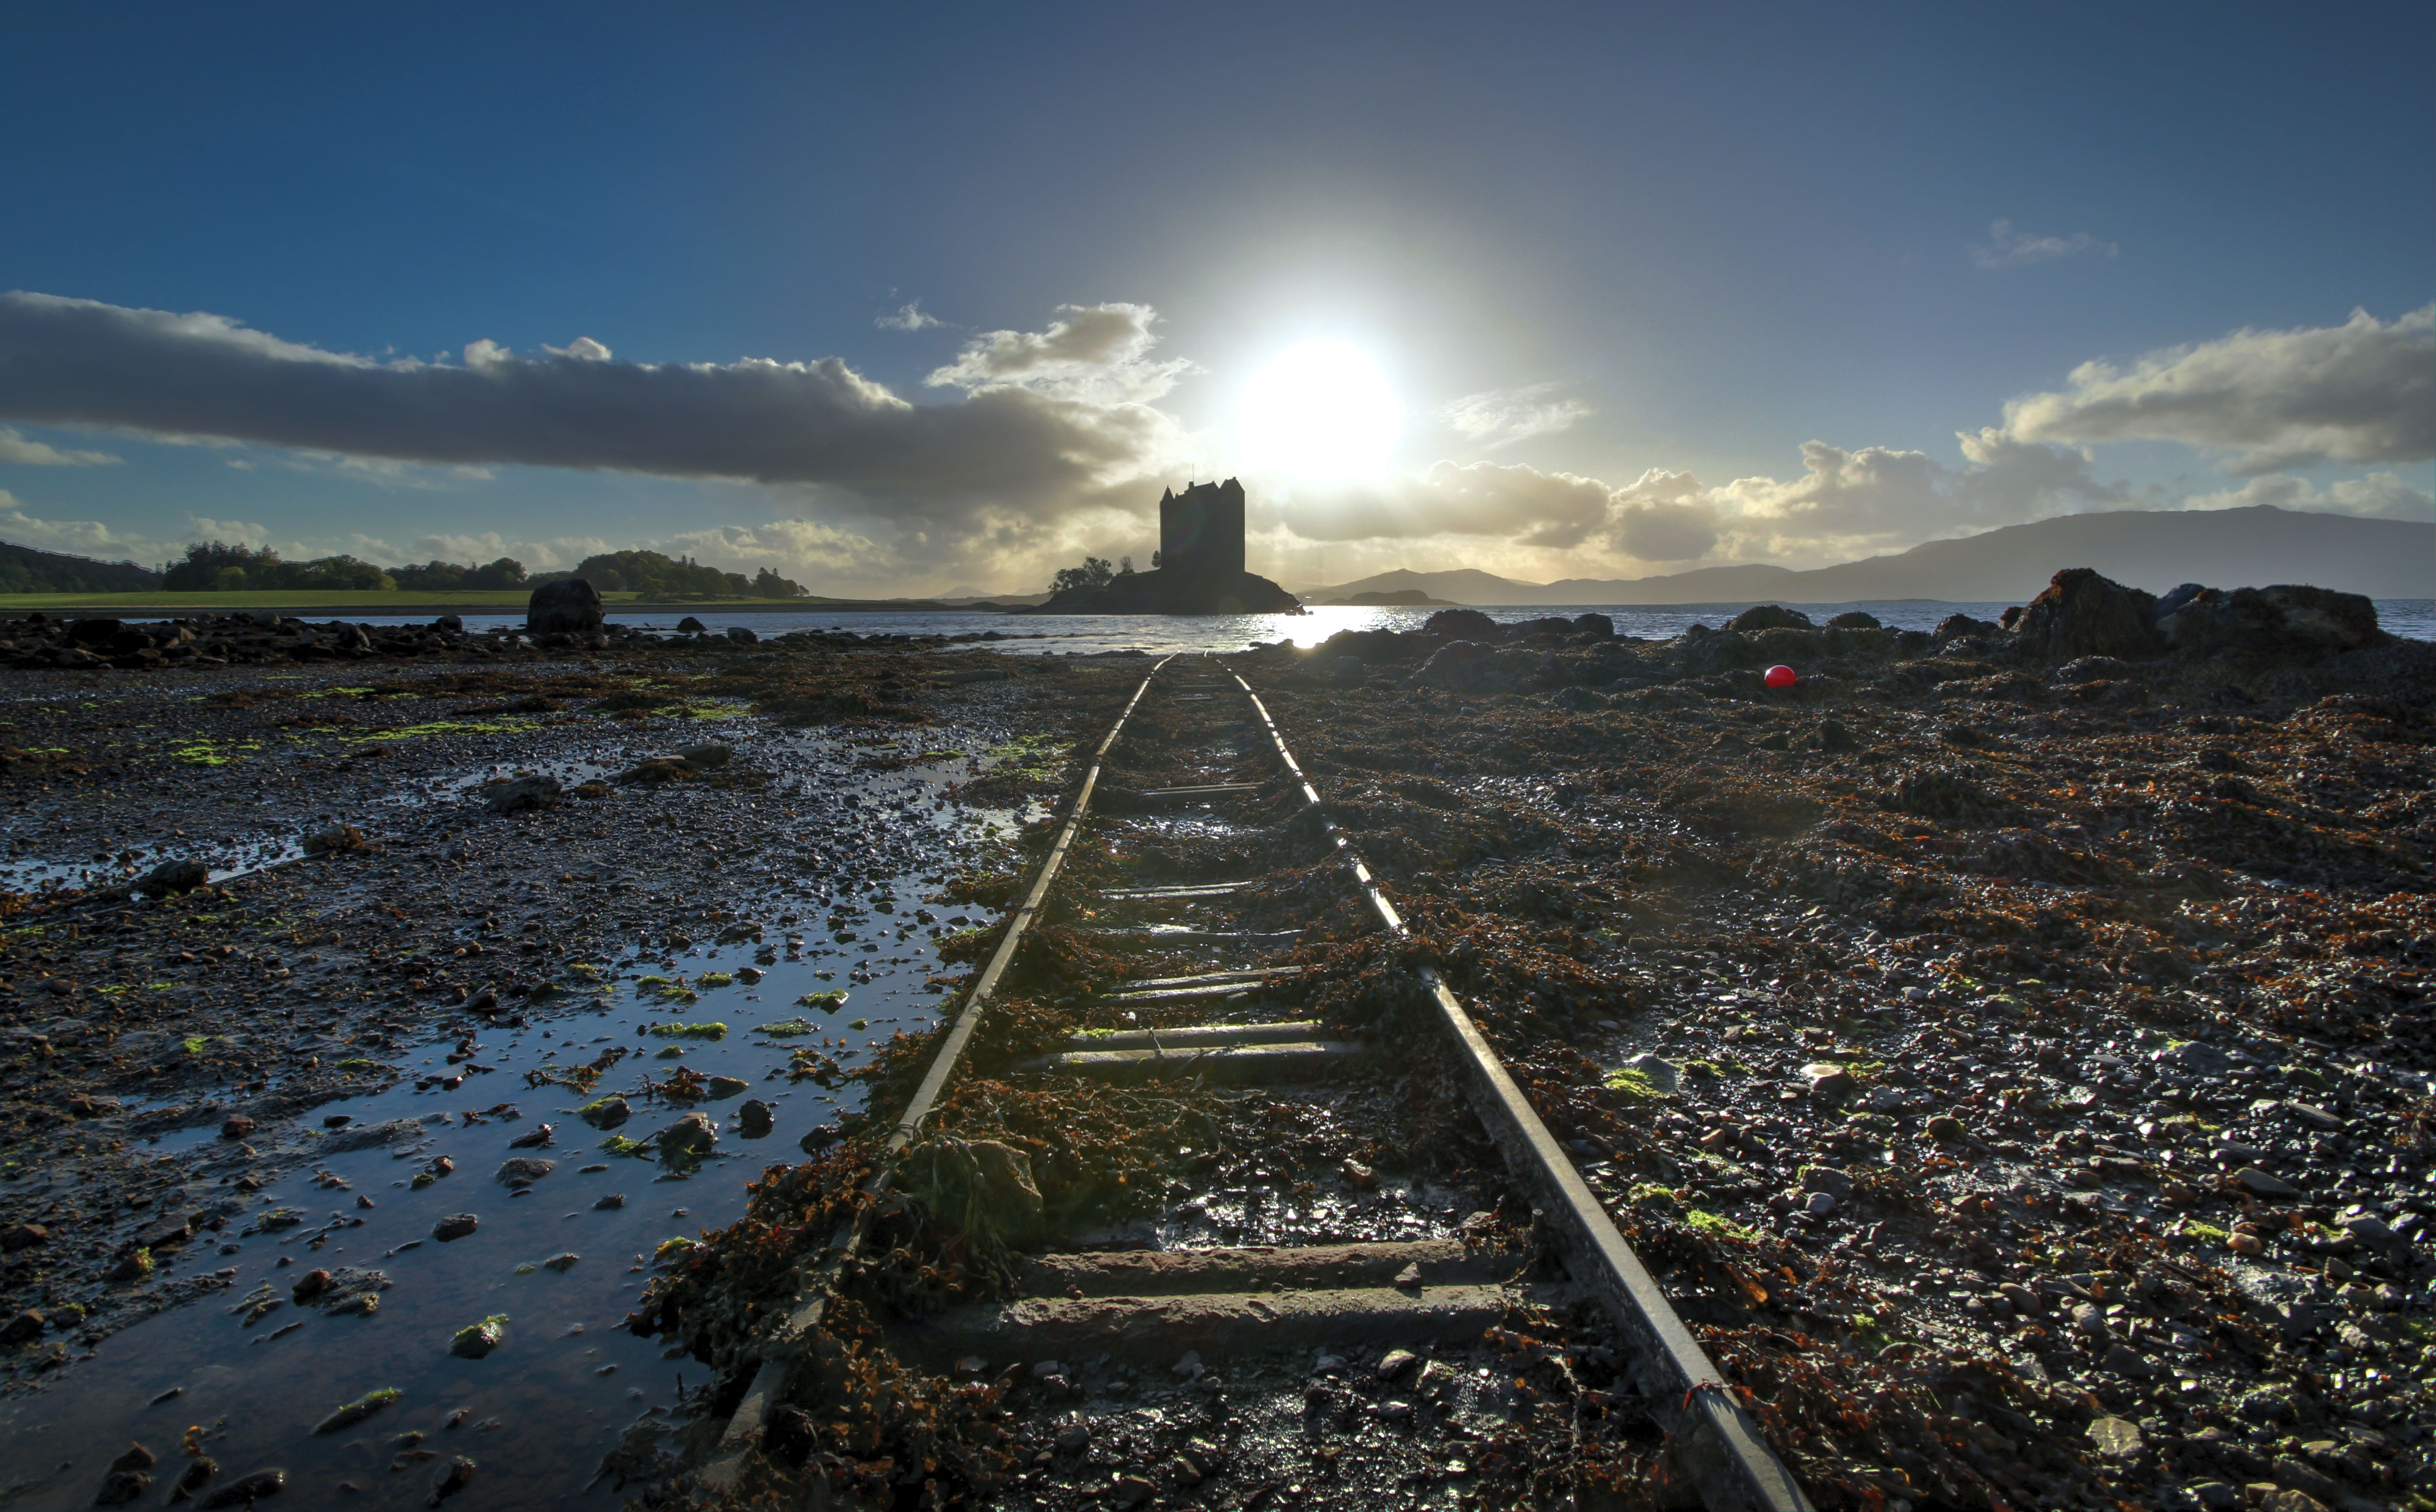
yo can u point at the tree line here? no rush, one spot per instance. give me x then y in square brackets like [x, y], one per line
[217, 566]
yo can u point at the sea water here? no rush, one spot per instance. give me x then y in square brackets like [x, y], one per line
[1038, 634]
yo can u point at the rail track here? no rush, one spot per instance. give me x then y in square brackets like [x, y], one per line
[1216, 1025]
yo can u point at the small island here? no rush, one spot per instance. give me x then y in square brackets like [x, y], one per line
[1386, 599]
[1199, 569]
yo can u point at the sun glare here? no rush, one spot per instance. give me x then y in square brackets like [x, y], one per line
[1321, 410]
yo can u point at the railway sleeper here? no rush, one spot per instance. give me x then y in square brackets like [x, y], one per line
[1234, 1065]
[1160, 1330]
[1198, 1036]
[1179, 893]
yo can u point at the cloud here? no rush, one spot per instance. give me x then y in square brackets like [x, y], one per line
[910, 318]
[14, 447]
[2361, 392]
[2008, 248]
[1098, 352]
[1500, 417]
[96, 538]
[1661, 516]
[1052, 421]
[794, 549]
[1522, 504]
[2379, 495]
[489, 546]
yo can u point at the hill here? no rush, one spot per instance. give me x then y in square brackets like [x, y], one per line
[2155, 549]
[23, 569]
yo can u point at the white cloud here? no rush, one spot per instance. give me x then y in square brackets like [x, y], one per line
[2010, 247]
[489, 546]
[2361, 392]
[911, 317]
[14, 447]
[1661, 516]
[1053, 421]
[1523, 504]
[2379, 495]
[1500, 417]
[1096, 354]
[106, 542]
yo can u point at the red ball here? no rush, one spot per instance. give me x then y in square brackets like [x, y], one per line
[1780, 676]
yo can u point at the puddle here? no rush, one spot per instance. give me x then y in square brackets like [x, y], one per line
[541, 1410]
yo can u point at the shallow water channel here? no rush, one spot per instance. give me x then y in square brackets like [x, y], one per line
[538, 1414]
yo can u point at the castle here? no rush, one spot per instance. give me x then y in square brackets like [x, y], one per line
[1201, 531]
[1199, 568]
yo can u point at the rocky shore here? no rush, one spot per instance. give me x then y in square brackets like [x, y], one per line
[2010, 1044]
[2013, 1041]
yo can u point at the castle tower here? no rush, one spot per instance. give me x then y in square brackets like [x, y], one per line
[1201, 530]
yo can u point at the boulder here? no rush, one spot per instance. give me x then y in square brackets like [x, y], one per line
[1954, 627]
[2284, 622]
[754, 1118]
[181, 876]
[1459, 624]
[743, 635]
[690, 626]
[1769, 616]
[570, 606]
[1854, 619]
[693, 1135]
[1460, 664]
[2082, 614]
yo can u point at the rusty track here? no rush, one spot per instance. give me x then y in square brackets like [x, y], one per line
[1711, 1436]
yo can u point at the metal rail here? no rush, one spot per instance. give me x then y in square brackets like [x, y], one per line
[1732, 1467]
[1709, 1432]
[785, 1348]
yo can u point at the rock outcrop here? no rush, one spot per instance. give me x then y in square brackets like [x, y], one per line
[2082, 614]
[2283, 620]
[570, 606]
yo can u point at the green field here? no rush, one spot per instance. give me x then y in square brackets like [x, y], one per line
[306, 602]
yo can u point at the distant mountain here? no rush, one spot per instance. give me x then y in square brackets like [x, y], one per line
[2155, 549]
[23, 569]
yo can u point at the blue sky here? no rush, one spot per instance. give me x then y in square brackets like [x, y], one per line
[1625, 289]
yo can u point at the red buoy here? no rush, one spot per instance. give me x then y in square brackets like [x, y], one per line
[1780, 676]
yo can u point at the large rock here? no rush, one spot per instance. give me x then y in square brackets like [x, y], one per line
[570, 606]
[1769, 616]
[694, 1135]
[1460, 665]
[181, 876]
[2082, 614]
[2286, 620]
[1461, 624]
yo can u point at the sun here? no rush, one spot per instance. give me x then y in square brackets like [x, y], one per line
[1320, 409]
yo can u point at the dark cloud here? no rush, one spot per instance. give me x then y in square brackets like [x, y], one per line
[1000, 451]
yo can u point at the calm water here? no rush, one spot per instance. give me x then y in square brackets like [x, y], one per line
[1158, 634]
